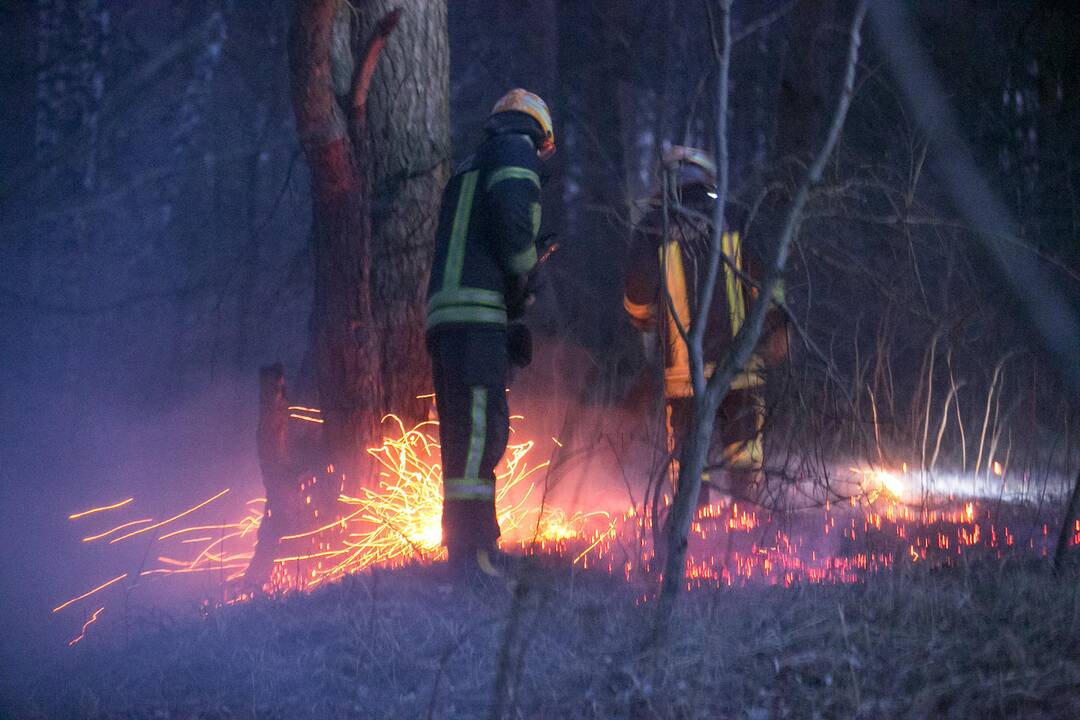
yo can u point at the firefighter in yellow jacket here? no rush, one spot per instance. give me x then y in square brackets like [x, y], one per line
[485, 248]
[675, 266]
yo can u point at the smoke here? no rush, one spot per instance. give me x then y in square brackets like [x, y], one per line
[66, 450]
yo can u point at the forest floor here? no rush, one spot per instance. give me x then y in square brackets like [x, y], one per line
[983, 639]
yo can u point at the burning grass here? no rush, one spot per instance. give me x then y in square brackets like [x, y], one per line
[866, 608]
[398, 523]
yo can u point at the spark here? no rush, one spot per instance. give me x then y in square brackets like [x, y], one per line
[103, 508]
[188, 570]
[91, 538]
[330, 526]
[82, 633]
[301, 408]
[166, 522]
[318, 421]
[88, 593]
[197, 528]
[396, 520]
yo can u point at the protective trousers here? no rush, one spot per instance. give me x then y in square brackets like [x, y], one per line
[737, 439]
[469, 367]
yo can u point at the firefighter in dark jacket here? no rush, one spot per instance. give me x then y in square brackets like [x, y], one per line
[675, 266]
[484, 251]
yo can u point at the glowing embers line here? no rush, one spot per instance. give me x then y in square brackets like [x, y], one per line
[398, 521]
[118, 528]
[103, 508]
[88, 593]
[395, 523]
[82, 633]
[190, 510]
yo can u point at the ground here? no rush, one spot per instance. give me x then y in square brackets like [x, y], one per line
[984, 640]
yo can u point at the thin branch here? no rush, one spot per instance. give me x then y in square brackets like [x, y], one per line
[763, 22]
[748, 335]
[698, 324]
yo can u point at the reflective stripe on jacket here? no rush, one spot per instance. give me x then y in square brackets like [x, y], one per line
[486, 237]
[676, 266]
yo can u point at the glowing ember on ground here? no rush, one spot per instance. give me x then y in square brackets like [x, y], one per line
[399, 522]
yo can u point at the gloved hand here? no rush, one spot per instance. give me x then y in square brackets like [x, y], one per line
[519, 344]
[520, 297]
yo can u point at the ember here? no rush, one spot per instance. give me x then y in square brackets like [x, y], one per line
[398, 522]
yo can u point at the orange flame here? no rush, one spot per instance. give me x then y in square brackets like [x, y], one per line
[398, 521]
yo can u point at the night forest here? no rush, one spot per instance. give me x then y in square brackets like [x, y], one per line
[218, 220]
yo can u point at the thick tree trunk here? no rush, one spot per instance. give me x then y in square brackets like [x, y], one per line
[409, 140]
[345, 337]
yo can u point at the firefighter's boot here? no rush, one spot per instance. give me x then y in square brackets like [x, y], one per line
[480, 565]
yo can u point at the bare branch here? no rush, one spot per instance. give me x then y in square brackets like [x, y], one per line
[738, 354]
[697, 331]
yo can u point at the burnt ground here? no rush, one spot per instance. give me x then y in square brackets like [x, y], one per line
[982, 639]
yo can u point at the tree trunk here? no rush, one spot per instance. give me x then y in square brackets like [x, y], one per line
[345, 337]
[409, 141]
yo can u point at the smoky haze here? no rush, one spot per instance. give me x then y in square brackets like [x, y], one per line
[155, 227]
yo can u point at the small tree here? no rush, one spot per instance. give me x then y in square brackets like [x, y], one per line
[709, 393]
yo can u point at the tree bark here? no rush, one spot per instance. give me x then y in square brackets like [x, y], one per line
[408, 137]
[345, 337]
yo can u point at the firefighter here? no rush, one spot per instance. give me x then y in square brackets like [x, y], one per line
[484, 252]
[675, 266]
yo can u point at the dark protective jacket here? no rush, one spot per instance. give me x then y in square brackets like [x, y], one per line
[681, 263]
[485, 242]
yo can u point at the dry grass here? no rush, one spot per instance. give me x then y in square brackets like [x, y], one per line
[979, 641]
